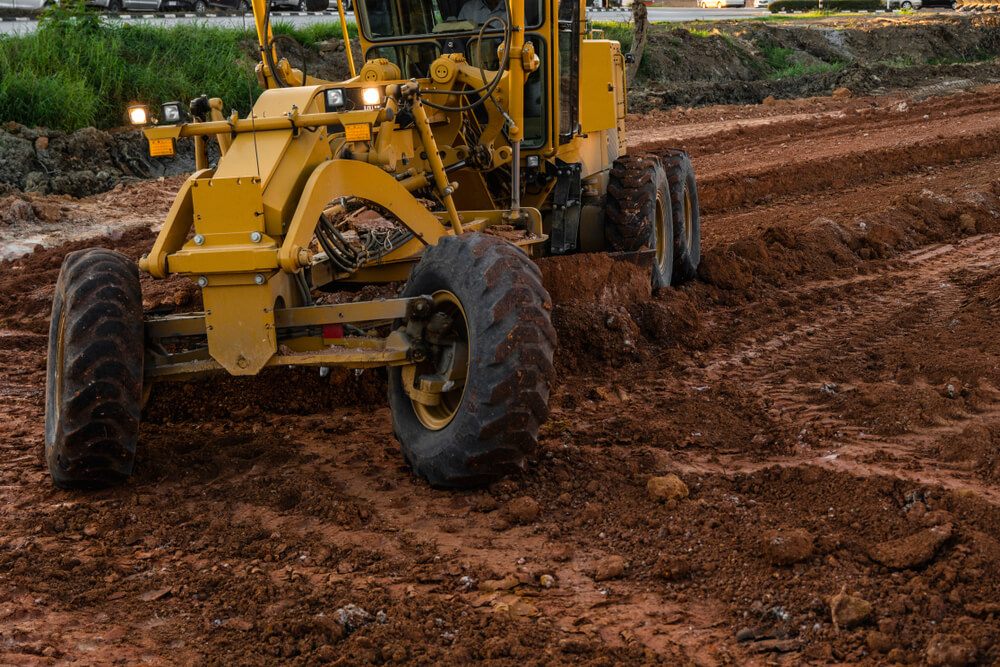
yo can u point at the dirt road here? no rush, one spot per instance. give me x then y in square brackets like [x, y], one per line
[828, 391]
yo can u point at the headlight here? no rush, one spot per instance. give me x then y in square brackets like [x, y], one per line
[334, 98]
[172, 112]
[138, 114]
[371, 96]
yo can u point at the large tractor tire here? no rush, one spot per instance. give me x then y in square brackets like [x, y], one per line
[93, 389]
[486, 424]
[687, 222]
[638, 213]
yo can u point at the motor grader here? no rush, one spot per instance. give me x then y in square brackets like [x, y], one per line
[488, 142]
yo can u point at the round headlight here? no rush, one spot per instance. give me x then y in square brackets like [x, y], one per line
[371, 96]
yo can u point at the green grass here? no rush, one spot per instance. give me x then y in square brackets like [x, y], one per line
[312, 34]
[779, 60]
[616, 30]
[77, 71]
[802, 70]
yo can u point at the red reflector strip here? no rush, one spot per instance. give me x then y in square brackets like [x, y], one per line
[333, 331]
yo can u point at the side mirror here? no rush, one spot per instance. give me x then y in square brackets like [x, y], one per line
[629, 58]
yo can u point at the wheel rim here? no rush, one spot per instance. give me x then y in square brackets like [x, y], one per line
[436, 417]
[661, 245]
[688, 227]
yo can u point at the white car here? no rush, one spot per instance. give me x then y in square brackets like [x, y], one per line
[761, 3]
[718, 4]
[22, 4]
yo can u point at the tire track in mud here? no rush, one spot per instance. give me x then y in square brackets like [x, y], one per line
[740, 189]
[840, 329]
[829, 150]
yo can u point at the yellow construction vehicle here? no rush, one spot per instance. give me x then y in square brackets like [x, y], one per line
[489, 133]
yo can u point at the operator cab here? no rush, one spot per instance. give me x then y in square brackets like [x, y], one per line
[412, 34]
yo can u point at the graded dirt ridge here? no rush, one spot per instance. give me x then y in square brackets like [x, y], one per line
[791, 460]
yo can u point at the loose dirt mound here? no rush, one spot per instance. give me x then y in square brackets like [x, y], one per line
[84, 162]
[746, 62]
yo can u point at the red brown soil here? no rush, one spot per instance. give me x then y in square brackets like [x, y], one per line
[828, 390]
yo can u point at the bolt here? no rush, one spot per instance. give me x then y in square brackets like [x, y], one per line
[255, 237]
[259, 278]
[202, 281]
[199, 239]
[242, 362]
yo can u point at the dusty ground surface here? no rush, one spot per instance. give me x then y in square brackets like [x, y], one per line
[827, 392]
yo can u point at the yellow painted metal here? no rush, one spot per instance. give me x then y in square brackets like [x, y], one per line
[240, 326]
[344, 313]
[352, 178]
[217, 114]
[194, 324]
[347, 38]
[391, 351]
[161, 148]
[597, 89]
[358, 132]
[175, 229]
[516, 73]
[220, 201]
[436, 397]
[437, 167]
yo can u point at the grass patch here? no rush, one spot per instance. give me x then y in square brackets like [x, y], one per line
[313, 34]
[779, 60]
[802, 70]
[619, 31]
[77, 70]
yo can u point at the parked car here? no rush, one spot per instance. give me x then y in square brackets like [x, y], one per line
[718, 4]
[22, 4]
[904, 4]
[761, 3]
[305, 5]
[116, 6]
[940, 3]
[202, 6]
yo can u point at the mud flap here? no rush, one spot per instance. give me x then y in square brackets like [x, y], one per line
[566, 208]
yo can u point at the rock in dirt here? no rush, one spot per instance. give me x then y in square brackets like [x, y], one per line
[673, 568]
[745, 635]
[786, 547]
[608, 568]
[504, 584]
[913, 551]
[950, 651]
[352, 616]
[849, 610]
[14, 211]
[879, 642]
[668, 487]
[967, 223]
[523, 510]
[842, 93]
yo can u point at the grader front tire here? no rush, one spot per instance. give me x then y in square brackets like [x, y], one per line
[94, 375]
[487, 426]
